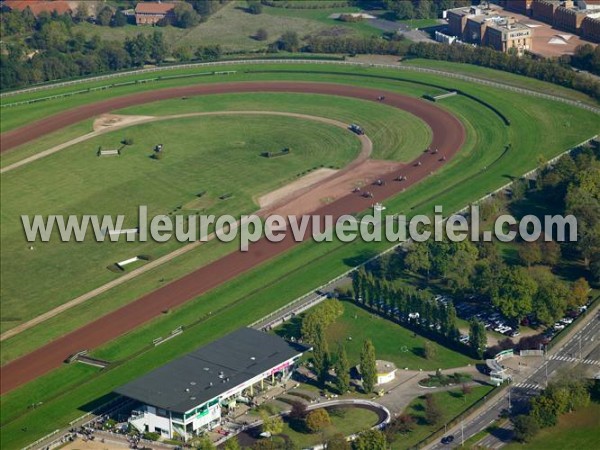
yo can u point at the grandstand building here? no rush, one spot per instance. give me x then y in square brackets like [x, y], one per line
[189, 394]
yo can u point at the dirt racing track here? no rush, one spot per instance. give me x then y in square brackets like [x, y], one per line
[448, 136]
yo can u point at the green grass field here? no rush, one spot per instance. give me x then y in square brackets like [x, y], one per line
[502, 77]
[575, 431]
[234, 29]
[540, 127]
[343, 420]
[392, 342]
[451, 403]
[202, 154]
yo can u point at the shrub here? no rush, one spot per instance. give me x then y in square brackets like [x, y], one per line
[127, 141]
[261, 34]
[151, 436]
[317, 420]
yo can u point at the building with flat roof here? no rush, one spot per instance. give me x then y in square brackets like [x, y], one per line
[186, 396]
[488, 28]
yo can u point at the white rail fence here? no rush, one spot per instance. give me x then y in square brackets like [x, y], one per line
[458, 76]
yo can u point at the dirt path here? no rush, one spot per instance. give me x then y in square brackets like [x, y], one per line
[448, 137]
[299, 200]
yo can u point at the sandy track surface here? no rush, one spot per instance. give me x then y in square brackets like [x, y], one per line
[448, 137]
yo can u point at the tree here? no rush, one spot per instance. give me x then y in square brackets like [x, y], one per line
[158, 47]
[264, 444]
[370, 440]
[551, 253]
[289, 42]
[417, 259]
[204, 443]
[321, 316]
[342, 370]
[138, 49]
[185, 16]
[515, 293]
[183, 53]
[402, 424]
[338, 442]
[402, 9]
[261, 34]
[423, 10]
[317, 420]
[81, 12]
[477, 337]
[429, 350]
[119, 19]
[104, 16]
[232, 444]
[580, 293]
[272, 425]
[433, 413]
[530, 253]
[551, 299]
[526, 427]
[368, 366]
[320, 356]
[254, 7]
[298, 414]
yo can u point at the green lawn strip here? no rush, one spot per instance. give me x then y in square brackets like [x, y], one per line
[39, 392]
[501, 77]
[451, 403]
[574, 431]
[346, 421]
[216, 155]
[45, 143]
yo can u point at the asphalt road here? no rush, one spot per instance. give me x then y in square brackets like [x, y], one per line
[583, 348]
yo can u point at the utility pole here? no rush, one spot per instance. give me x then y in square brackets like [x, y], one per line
[580, 338]
[462, 433]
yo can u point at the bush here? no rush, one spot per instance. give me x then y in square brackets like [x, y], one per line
[317, 420]
[151, 436]
[261, 34]
[525, 428]
[255, 7]
[127, 141]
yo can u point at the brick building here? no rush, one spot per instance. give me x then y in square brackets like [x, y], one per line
[149, 13]
[488, 28]
[590, 29]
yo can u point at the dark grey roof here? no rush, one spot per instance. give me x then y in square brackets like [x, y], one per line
[211, 370]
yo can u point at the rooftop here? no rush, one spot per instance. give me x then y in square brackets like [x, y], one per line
[212, 370]
[153, 7]
[37, 6]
